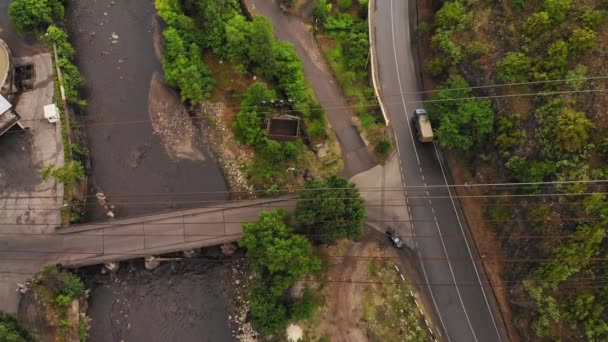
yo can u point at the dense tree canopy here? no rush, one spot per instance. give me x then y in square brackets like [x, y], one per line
[11, 330]
[184, 68]
[460, 124]
[572, 130]
[331, 209]
[514, 67]
[35, 15]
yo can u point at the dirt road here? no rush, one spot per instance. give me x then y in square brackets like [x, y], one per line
[287, 27]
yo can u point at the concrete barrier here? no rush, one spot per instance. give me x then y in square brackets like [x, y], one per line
[373, 64]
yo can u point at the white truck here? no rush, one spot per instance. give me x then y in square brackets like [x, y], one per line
[422, 126]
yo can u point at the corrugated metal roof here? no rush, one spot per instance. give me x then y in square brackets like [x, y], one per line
[4, 105]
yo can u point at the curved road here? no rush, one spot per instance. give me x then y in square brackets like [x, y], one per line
[467, 311]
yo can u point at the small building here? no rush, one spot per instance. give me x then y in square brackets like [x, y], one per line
[8, 116]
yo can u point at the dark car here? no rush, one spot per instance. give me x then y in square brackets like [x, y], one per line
[394, 237]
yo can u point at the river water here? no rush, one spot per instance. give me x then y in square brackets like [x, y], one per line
[115, 53]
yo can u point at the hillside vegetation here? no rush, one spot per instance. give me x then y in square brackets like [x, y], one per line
[547, 124]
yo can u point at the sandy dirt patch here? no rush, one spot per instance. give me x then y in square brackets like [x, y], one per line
[171, 121]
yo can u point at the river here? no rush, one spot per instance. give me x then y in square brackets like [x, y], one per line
[115, 52]
[129, 162]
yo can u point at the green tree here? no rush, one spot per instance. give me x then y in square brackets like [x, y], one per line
[331, 209]
[572, 130]
[172, 13]
[249, 120]
[11, 330]
[460, 124]
[452, 16]
[238, 35]
[279, 258]
[557, 9]
[185, 69]
[577, 77]
[581, 40]
[554, 65]
[536, 24]
[261, 43]
[344, 5]
[35, 15]
[514, 67]
[321, 11]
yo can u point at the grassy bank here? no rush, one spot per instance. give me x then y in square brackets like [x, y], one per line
[343, 36]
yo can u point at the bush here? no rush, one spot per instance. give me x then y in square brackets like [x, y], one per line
[71, 172]
[537, 24]
[383, 146]
[331, 209]
[278, 257]
[460, 124]
[185, 69]
[321, 11]
[577, 77]
[514, 67]
[581, 40]
[344, 5]
[305, 308]
[557, 9]
[554, 65]
[11, 329]
[572, 130]
[452, 16]
[35, 15]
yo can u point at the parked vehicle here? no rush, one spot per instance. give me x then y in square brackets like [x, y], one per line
[392, 235]
[422, 126]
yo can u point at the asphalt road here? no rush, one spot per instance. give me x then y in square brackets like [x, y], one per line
[467, 311]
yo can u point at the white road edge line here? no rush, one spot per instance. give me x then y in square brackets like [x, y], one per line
[400, 84]
[467, 244]
[426, 278]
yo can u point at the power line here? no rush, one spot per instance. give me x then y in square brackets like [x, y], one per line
[79, 234]
[94, 254]
[266, 204]
[373, 97]
[600, 284]
[361, 189]
[114, 123]
[178, 220]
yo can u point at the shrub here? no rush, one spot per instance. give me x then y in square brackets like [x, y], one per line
[35, 15]
[557, 9]
[581, 40]
[577, 77]
[331, 209]
[554, 65]
[475, 50]
[11, 329]
[344, 5]
[452, 16]
[71, 172]
[321, 11]
[383, 146]
[442, 40]
[536, 24]
[185, 69]
[572, 131]
[514, 67]
[305, 308]
[460, 124]
[436, 66]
